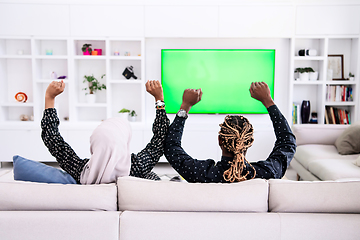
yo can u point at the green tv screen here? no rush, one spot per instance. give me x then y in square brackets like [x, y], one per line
[224, 75]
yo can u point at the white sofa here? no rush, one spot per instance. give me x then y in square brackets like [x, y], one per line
[317, 158]
[142, 209]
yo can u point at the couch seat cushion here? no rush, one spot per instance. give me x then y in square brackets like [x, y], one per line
[334, 169]
[314, 197]
[305, 154]
[146, 195]
[28, 196]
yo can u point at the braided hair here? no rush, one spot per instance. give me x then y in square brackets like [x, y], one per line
[236, 134]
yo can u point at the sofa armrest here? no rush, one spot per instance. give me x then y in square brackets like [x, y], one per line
[317, 134]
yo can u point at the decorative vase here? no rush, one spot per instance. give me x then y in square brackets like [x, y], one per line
[91, 98]
[86, 52]
[304, 76]
[313, 76]
[305, 111]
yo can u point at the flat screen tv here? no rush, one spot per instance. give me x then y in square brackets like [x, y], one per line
[224, 75]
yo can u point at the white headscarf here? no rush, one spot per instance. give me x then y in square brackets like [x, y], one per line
[110, 154]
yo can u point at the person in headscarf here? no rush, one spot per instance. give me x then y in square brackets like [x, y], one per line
[109, 143]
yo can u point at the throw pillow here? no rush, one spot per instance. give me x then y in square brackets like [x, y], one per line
[349, 141]
[32, 171]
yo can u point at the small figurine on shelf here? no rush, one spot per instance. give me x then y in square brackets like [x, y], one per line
[24, 117]
[116, 53]
[86, 49]
[21, 97]
[49, 52]
[53, 75]
[313, 118]
[61, 77]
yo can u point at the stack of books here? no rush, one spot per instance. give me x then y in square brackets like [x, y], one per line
[340, 93]
[296, 113]
[336, 116]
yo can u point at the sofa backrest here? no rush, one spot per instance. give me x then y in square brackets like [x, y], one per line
[314, 197]
[317, 134]
[146, 195]
[27, 196]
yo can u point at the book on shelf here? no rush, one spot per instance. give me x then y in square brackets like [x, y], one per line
[296, 113]
[336, 116]
[339, 93]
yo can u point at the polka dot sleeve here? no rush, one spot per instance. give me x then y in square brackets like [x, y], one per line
[66, 157]
[284, 149]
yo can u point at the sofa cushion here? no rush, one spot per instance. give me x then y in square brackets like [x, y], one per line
[314, 197]
[59, 225]
[349, 141]
[325, 134]
[29, 170]
[334, 169]
[305, 154]
[28, 196]
[147, 195]
[138, 225]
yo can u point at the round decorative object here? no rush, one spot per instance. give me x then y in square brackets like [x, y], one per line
[21, 97]
[305, 111]
[24, 117]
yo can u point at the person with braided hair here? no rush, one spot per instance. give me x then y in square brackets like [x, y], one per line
[235, 137]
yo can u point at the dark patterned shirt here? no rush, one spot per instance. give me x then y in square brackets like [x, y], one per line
[193, 170]
[141, 163]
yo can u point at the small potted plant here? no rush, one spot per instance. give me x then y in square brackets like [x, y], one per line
[86, 49]
[132, 116]
[93, 86]
[307, 73]
[124, 113]
[351, 76]
[313, 75]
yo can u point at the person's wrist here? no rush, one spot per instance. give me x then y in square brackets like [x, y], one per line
[159, 99]
[185, 107]
[268, 103]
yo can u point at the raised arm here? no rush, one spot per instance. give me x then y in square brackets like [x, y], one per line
[66, 157]
[285, 145]
[192, 170]
[143, 162]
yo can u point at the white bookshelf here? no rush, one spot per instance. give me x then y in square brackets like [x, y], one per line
[26, 65]
[316, 91]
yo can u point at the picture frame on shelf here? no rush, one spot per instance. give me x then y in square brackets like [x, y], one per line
[336, 64]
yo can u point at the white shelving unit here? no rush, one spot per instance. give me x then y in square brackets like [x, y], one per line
[26, 65]
[315, 91]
